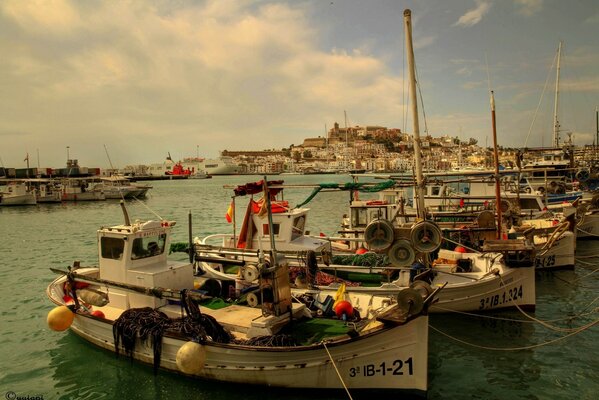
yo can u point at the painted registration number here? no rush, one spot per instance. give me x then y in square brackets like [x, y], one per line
[499, 299]
[397, 367]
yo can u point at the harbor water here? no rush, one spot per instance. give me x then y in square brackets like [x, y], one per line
[551, 361]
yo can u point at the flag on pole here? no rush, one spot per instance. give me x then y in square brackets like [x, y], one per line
[230, 212]
[27, 157]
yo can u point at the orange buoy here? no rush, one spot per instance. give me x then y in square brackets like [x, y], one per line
[60, 318]
[344, 309]
[361, 250]
[99, 314]
[460, 249]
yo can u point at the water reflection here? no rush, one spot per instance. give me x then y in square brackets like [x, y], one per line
[458, 368]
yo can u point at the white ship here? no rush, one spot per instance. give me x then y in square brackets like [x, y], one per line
[223, 165]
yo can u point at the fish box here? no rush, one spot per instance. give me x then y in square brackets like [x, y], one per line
[450, 254]
[176, 277]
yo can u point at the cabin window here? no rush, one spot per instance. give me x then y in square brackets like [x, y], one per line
[112, 248]
[275, 229]
[148, 246]
[435, 190]
[389, 198]
[298, 227]
[358, 217]
[529, 204]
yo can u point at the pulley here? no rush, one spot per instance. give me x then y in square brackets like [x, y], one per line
[379, 235]
[249, 273]
[410, 301]
[401, 253]
[426, 236]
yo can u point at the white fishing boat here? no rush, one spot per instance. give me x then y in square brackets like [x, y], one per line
[79, 189]
[588, 219]
[120, 187]
[46, 190]
[384, 348]
[17, 193]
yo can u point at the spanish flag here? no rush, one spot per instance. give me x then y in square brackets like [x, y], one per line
[230, 212]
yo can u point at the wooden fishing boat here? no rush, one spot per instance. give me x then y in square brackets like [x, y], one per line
[385, 347]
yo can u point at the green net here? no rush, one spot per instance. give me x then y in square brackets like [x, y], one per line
[361, 187]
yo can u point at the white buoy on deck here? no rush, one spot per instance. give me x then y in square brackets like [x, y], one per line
[190, 358]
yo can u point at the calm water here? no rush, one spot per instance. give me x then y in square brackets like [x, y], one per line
[35, 361]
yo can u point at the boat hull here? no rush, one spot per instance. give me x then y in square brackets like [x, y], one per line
[18, 200]
[393, 357]
[472, 292]
[588, 227]
[393, 360]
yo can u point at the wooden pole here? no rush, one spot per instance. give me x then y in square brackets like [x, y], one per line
[414, 105]
[496, 162]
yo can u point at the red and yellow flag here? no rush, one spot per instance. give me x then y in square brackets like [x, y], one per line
[230, 212]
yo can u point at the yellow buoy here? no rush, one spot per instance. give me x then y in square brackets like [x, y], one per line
[191, 357]
[60, 318]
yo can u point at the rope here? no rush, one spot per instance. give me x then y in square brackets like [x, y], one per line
[543, 323]
[583, 328]
[590, 256]
[336, 370]
[588, 233]
[582, 314]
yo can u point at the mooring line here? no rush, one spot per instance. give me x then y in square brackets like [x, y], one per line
[583, 328]
[336, 370]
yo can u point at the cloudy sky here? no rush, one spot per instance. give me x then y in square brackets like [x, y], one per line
[144, 78]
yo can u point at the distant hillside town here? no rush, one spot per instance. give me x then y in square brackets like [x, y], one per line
[369, 149]
[374, 149]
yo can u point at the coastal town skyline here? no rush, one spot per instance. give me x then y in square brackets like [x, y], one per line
[205, 76]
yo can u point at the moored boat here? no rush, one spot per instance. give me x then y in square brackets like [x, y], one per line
[280, 343]
[120, 187]
[17, 193]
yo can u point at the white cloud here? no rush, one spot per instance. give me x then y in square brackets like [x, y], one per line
[475, 15]
[528, 7]
[227, 74]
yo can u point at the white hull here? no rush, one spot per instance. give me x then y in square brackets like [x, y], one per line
[588, 227]
[392, 358]
[359, 362]
[560, 255]
[471, 291]
[18, 200]
[83, 196]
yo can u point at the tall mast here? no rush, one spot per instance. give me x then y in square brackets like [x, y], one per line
[555, 121]
[407, 15]
[346, 142]
[496, 162]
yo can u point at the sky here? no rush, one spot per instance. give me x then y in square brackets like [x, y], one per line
[127, 82]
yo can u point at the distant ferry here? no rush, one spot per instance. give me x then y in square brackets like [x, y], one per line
[223, 165]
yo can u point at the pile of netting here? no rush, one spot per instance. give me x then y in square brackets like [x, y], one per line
[150, 324]
[179, 247]
[366, 260]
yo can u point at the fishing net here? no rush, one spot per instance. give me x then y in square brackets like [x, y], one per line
[361, 187]
[149, 324]
[367, 260]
